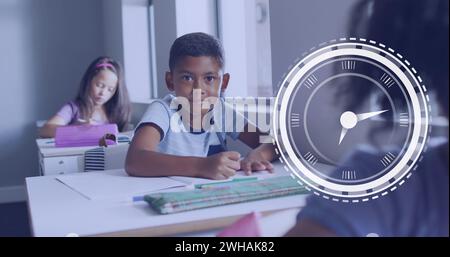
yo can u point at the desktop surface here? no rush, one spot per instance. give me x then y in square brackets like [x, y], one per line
[57, 210]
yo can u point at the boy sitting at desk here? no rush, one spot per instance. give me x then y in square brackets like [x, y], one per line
[173, 137]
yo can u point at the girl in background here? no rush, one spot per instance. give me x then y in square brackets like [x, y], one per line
[101, 99]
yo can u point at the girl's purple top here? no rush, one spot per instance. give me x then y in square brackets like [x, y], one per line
[70, 112]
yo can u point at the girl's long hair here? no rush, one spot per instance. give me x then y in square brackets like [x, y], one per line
[118, 108]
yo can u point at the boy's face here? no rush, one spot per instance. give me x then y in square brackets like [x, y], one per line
[202, 73]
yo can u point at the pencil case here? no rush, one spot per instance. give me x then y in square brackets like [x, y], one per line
[86, 135]
[172, 202]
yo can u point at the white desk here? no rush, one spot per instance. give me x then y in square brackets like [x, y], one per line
[64, 160]
[61, 160]
[57, 210]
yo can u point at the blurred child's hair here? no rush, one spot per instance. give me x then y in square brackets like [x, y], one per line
[195, 44]
[418, 29]
[118, 108]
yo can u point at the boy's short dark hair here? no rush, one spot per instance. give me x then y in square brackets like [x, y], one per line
[195, 44]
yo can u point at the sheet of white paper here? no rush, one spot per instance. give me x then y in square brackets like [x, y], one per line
[115, 184]
[239, 174]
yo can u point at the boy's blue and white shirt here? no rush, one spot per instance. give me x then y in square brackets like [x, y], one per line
[175, 141]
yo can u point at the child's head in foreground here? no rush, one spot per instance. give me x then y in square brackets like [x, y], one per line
[196, 65]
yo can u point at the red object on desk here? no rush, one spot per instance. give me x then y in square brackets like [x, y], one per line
[85, 135]
[247, 226]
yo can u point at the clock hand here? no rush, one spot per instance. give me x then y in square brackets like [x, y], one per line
[348, 121]
[366, 115]
[343, 132]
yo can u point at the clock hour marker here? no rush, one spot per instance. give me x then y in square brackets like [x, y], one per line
[387, 159]
[348, 65]
[310, 81]
[310, 158]
[404, 119]
[295, 120]
[387, 81]
[348, 175]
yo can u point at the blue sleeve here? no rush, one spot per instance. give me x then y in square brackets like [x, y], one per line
[347, 219]
[158, 114]
[418, 207]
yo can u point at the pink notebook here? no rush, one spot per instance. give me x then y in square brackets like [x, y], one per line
[85, 135]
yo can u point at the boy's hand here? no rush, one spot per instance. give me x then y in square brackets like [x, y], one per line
[255, 162]
[221, 166]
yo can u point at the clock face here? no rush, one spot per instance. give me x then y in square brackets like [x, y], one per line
[346, 98]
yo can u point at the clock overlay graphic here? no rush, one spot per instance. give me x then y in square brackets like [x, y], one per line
[322, 119]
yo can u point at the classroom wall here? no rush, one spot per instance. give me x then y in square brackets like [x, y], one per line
[165, 33]
[112, 29]
[296, 26]
[45, 47]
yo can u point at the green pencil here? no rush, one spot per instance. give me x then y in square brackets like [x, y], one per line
[235, 180]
